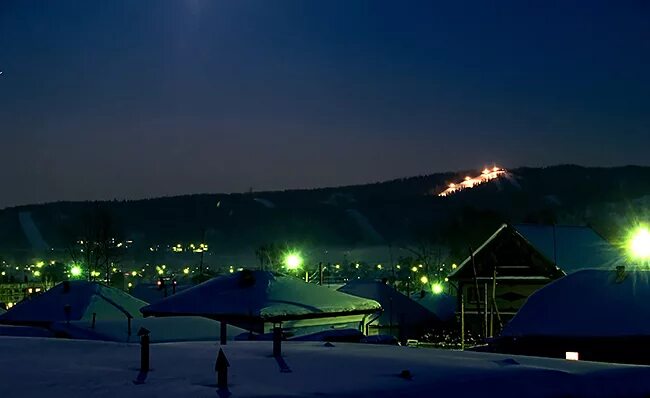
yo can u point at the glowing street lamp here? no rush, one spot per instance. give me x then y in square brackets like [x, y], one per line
[639, 244]
[424, 279]
[293, 261]
[436, 288]
[75, 271]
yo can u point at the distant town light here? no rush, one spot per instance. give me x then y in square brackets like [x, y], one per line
[414, 269]
[378, 266]
[639, 243]
[571, 356]
[436, 288]
[186, 271]
[424, 279]
[454, 266]
[134, 273]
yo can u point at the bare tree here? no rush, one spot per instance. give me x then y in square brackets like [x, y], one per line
[95, 245]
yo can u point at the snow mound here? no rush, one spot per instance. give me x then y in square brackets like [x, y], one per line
[587, 303]
[260, 295]
[35, 367]
[80, 299]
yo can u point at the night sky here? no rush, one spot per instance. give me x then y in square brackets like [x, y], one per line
[132, 99]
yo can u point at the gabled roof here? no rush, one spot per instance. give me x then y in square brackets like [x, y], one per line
[571, 247]
[511, 255]
[397, 307]
[567, 248]
[587, 303]
[83, 298]
[260, 296]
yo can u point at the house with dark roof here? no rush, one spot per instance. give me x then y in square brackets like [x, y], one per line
[495, 280]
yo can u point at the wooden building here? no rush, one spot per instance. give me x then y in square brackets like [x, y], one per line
[496, 279]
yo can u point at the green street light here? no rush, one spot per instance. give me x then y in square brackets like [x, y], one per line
[75, 270]
[639, 243]
[436, 288]
[293, 261]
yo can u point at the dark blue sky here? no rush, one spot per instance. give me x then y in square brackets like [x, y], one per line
[130, 99]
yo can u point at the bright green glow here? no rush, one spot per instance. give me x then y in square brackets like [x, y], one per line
[436, 288]
[186, 271]
[40, 264]
[160, 272]
[134, 273]
[293, 261]
[639, 245]
[414, 269]
[424, 279]
[75, 270]
[37, 273]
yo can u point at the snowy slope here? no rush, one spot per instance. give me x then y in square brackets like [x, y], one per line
[260, 294]
[83, 299]
[33, 367]
[592, 303]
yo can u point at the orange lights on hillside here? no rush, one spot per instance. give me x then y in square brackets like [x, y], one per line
[470, 182]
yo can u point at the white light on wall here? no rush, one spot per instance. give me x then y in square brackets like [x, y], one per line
[571, 356]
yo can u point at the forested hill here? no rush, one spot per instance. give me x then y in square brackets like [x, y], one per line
[398, 212]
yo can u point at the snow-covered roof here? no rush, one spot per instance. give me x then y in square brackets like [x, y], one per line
[587, 303]
[397, 307]
[84, 299]
[570, 247]
[260, 295]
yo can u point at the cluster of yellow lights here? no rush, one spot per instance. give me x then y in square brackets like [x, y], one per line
[471, 182]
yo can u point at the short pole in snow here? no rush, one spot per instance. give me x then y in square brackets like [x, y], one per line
[221, 368]
[67, 309]
[144, 349]
[277, 341]
[223, 332]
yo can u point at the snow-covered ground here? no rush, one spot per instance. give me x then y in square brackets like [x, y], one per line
[37, 367]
